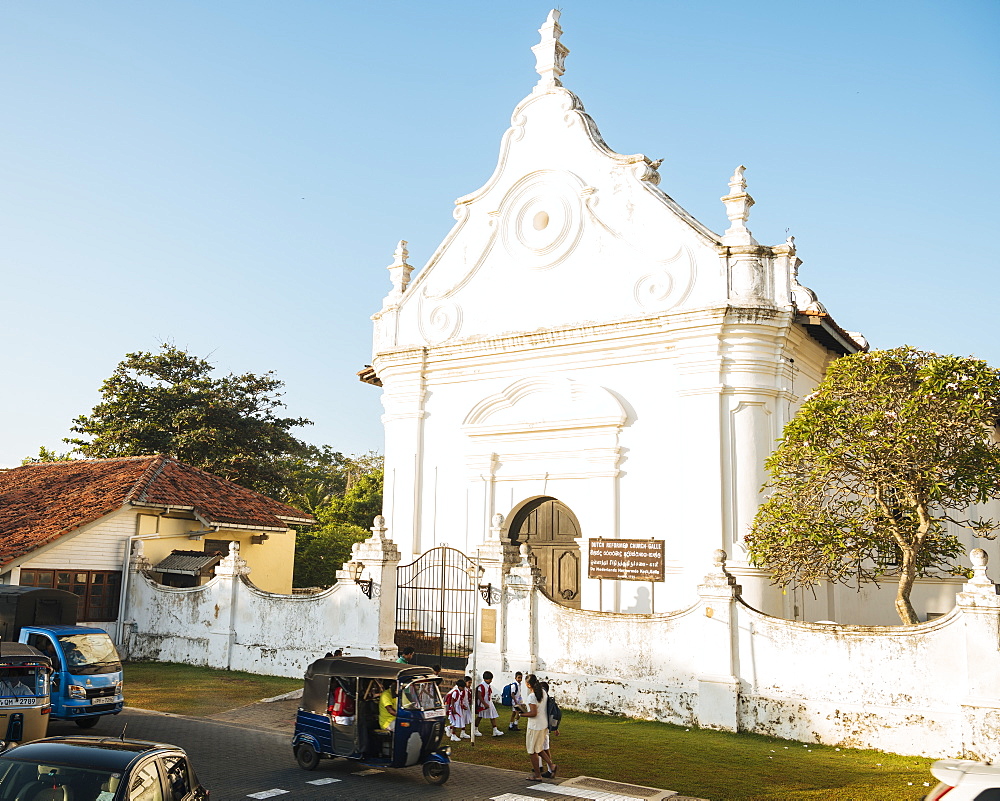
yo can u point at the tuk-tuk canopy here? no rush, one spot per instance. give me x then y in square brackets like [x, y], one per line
[366, 668]
[17, 653]
[315, 693]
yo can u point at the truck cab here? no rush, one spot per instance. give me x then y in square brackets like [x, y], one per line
[86, 668]
[87, 671]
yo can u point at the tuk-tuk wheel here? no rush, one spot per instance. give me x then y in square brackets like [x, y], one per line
[436, 772]
[306, 756]
[87, 723]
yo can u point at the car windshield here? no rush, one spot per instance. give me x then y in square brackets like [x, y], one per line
[30, 779]
[422, 695]
[90, 653]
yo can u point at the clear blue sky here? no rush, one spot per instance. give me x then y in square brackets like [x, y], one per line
[233, 176]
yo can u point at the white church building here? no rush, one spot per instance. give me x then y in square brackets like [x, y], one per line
[583, 357]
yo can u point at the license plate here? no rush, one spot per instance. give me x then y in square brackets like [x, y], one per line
[96, 701]
[18, 701]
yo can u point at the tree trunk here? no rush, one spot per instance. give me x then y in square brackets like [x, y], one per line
[907, 574]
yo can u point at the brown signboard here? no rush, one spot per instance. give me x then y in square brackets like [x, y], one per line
[631, 560]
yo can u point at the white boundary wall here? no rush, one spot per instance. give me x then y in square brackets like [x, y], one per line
[931, 689]
[229, 623]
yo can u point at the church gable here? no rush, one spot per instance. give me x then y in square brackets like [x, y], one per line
[565, 231]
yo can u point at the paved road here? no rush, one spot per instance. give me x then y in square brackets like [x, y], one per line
[236, 761]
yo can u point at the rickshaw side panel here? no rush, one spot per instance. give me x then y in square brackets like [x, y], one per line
[315, 730]
[415, 739]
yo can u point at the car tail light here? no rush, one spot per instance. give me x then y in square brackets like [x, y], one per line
[938, 792]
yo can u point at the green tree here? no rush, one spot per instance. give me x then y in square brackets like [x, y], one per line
[45, 455]
[323, 474]
[343, 520]
[170, 402]
[890, 447]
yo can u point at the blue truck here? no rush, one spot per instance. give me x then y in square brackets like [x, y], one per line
[86, 668]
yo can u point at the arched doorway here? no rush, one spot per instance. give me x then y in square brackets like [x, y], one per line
[552, 530]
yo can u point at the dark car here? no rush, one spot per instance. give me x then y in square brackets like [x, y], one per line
[97, 769]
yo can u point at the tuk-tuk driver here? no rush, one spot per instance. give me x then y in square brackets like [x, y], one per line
[387, 707]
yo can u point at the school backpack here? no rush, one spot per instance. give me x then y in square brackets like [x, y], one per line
[554, 712]
[507, 698]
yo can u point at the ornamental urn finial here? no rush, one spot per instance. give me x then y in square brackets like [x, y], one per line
[738, 204]
[399, 274]
[550, 53]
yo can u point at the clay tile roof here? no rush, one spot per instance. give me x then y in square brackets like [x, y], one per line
[40, 502]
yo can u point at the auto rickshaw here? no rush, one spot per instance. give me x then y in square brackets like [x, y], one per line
[339, 716]
[24, 693]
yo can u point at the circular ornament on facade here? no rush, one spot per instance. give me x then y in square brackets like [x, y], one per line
[541, 219]
[669, 285]
[439, 320]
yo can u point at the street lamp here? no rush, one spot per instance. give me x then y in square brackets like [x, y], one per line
[475, 573]
[367, 585]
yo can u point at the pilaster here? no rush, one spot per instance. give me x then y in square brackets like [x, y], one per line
[375, 560]
[520, 598]
[719, 684]
[979, 602]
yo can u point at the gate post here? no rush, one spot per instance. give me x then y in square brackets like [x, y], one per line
[979, 603]
[380, 558]
[496, 557]
[520, 601]
[718, 682]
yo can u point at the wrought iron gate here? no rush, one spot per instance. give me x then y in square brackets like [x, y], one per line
[436, 607]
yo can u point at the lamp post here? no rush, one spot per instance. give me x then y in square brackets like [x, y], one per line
[475, 572]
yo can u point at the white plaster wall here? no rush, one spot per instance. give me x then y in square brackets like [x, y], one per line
[931, 689]
[228, 623]
[898, 688]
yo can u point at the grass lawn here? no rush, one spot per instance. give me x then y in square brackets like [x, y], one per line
[197, 691]
[720, 766]
[716, 765]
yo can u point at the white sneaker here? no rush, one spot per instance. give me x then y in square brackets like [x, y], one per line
[497, 733]
[465, 736]
[456, 739]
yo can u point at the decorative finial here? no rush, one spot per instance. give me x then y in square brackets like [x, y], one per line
[550, 53]
[399, 274]
[738, 204]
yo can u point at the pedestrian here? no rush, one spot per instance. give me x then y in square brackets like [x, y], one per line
[338, 652]
[341, 707]
[485, 708]
[537, 733]
[387, 707]
[467, 706]
[512, 697]
[437, 670]
[455, 710]
[407, 655]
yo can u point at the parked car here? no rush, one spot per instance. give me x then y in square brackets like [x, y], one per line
[965, 780]
[97, 769]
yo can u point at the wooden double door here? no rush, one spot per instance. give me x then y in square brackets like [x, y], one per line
[551, 530]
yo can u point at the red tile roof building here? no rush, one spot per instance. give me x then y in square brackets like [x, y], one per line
[45, 505]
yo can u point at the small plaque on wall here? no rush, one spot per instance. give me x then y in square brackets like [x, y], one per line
[630, 560]
[488, 630]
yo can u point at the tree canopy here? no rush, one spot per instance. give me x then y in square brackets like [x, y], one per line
[344, 519]
[891, 447]
[171, 402]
